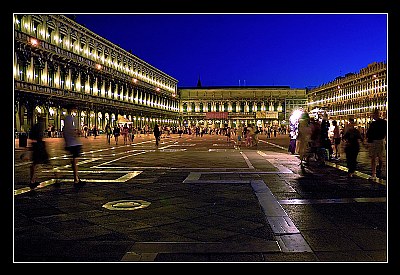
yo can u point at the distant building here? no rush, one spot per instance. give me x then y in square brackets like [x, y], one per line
[230, 106]
[353, 95]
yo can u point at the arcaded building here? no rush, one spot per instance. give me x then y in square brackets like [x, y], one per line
[353, 95]
[58, 61]
[222, 106]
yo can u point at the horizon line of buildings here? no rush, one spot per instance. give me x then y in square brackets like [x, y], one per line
[57, 61]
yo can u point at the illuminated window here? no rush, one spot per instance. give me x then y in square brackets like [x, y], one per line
[37, 74]
[22, 71]
[50, 77]
[234, 107]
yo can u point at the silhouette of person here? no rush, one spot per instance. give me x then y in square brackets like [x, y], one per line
[157, 133]
[376, 135]
[352, 147]
[39, 151]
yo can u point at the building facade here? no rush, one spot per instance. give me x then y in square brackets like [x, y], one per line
[58, 61]
[353, 95]
[218, 107]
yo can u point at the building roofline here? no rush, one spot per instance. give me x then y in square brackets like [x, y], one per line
[233, 87]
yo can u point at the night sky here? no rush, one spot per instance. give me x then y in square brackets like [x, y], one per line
[296, 50]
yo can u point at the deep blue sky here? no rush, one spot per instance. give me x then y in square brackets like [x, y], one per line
[296, 50]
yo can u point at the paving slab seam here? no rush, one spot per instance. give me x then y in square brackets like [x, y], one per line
[286, 233]
[148, 251]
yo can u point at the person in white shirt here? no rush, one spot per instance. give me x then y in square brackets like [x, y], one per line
[72, 143]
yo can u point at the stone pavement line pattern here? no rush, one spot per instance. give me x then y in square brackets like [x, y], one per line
[148, 251]
[124, 178]
[286, 233]
[82, 160]
[247, 160]
[117, 159]
[357, 173]
[342, 200]
[270, 158]
[273, 144]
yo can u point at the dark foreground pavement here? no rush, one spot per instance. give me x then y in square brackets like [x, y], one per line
[196, 200]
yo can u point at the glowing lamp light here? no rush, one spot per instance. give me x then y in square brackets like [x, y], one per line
[295, 116]
[98, 66]
[34, 42]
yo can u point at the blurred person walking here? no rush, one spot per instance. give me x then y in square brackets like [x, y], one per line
[156, 132]
[116, 133]
[376, 135]
[325, 140]
[95, 132]
[39, 151]
[352, 136]
[130, 133]
[304, 138]
[336, 138]
[239, 135]
[125, 131]
[72, 143]
[108, 133]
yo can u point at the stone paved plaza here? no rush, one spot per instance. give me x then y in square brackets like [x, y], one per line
[196, 199]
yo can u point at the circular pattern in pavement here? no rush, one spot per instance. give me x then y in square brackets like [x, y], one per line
[126, 205]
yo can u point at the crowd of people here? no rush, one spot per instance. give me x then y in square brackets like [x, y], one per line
[310, 138]
[313, 139]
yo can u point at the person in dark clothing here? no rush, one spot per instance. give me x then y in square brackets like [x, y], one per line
[352, 147]
[116, 133]
[39, 151]
[376, 135]
[108, 131]
[325, 140]
[156, 132]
